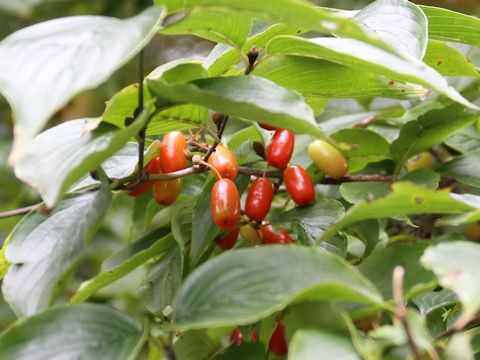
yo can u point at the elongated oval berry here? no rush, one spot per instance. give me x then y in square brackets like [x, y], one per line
[278, 340]
[153, 167]
[280, 149]
[224, 161]
[421, 161]
[166, 192]
[259, 199]
[249, 234]
[328, 159]
[269, 237]
[172, 157]
[267, 127]
[236, 336]
[225, 204]
[299, 185]
[229, 239]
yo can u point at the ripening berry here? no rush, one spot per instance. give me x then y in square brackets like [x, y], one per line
[328, 159]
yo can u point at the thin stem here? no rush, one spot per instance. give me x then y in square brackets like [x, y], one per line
[235, 46]
[219, 135]
[455, 329]
[19, 211]
[214, 169]
[141, 134]
[400, 310]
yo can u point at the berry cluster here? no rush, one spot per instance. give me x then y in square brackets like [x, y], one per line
[225, 198]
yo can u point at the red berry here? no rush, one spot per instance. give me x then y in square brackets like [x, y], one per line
[299, 185]
[254, 336]
[224, 161]
[153, 167]
[269, 237]
[172, 157]
[280, 149]
[229, 239]
[278, 341]
[259, 199]
[236, 336]
[225, 204]
[267, 127]
[166, 192]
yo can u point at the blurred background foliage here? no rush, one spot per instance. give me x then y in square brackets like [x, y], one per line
[116, 228]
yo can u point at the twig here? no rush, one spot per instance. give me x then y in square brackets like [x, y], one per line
[454, 329]
[353, 178]
[141, 134]
[219, 135]
[19, 211]
[400, 310]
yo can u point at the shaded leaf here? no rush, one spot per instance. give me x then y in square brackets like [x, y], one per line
[307, 344]
[154, 243]
[455, 265]
[222, 291]
[448, 25]
[61, 57]
[405, 199]
[217, 26]
[315, 78]
[249, 97]
[245, 351]
[433, 300]
[430, 129]
[60, 156]
[464, 168]
[90, 331]
[42, 253]
[195, 345]
[366, 57]
[378, 268]
[466, 140]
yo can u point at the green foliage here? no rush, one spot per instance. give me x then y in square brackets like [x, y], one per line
[371, 82]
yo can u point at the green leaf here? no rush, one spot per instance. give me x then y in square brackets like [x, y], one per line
[204, 229]
[466, 140]
[448, 61]
[162, 282]
[250, 351]
[41, 254]
[425, 177]
[89, 331]
[456, 266]
[430, 129]
[368, 147]
[405, 199]
[307, 344]
[344, 121]
[217, 26]
[222, 292]
[408, 36]
[357, 192]
[433, 300]
[315, 78]
[195, 345]
[250, 97]
[293, 12]
[366, 57]
[61, 57]
[229, 58]
[378, 268]
[182, 223]
[152, 244]
[368, 232]
[311, 221]
[449, 25]
[464, 168]
[60, 156]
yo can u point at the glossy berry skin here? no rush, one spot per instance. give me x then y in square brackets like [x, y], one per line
[153, 167]
[172, 157]
[267, 127]
[270, 237]
[280, 149]
[259, 199]
[166, 192]
[236, 337]
[224, 161]
[225, 204]
[278, 341]
[421, 161]
[299, 185]
[328, 159]
[229, 239]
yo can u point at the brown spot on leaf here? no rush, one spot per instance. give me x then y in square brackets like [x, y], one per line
[419, 199]
[439, 63]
